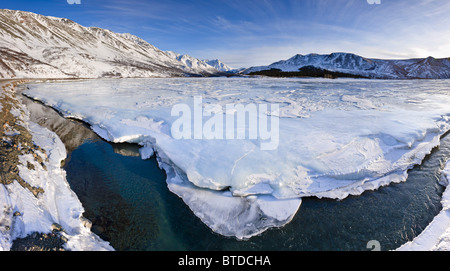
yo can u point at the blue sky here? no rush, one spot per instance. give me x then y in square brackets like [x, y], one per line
[245, 33]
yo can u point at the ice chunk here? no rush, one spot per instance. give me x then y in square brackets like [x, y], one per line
[241, 217]
[147, 151]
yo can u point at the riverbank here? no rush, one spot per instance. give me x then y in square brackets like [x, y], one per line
[39, 211]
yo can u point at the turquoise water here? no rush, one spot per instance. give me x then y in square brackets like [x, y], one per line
[130, 206]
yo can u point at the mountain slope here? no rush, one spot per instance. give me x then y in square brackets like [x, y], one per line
[34, 45]
[219, 65]
[192, 64]
[428, 68]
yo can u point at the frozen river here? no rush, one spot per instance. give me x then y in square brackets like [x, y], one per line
[323, 140]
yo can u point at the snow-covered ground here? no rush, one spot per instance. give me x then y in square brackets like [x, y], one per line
[336, 138]
[23, 212]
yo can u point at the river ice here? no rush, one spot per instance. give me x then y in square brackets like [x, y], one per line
[328, 138]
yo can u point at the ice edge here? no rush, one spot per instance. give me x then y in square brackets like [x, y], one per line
[436, 236]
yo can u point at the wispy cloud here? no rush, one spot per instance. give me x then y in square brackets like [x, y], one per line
[259, 32]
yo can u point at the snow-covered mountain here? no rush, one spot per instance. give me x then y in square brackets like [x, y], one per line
[429, 68]
[192, 64]
[37, 46]
[219, 65]
[33, 45]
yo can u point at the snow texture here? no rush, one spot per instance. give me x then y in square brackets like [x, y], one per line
[337, 138]
[192, 64]
[37, 46]
[424, 68]
[57, 204]
[219, 65]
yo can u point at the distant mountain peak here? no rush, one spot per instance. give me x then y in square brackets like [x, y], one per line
[219, 65]
[349, 63]
[192, 64]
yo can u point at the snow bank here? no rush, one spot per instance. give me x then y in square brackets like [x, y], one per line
[22, 212]
[336, 138]
[58, 204]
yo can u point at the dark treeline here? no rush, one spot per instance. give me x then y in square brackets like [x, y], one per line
[307, 71]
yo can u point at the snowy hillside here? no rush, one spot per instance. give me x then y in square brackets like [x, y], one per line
[219, 65]
[192, 64]
[429, 68]
[38, 46]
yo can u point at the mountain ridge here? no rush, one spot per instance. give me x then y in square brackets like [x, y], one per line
[38, 46]
[352, 64]
[219, 65]
[192, 63]
[34, 45]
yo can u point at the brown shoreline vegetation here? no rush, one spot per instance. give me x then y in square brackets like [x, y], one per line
[16, 140]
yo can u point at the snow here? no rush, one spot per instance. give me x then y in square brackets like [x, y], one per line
[336, 138]
[241, 217]
[371, 68]
[57, 204]
[192, 64]
[436, 236]
[219, 65]
[36, 46]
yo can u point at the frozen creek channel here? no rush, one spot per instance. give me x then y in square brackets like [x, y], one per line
[337, 139]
